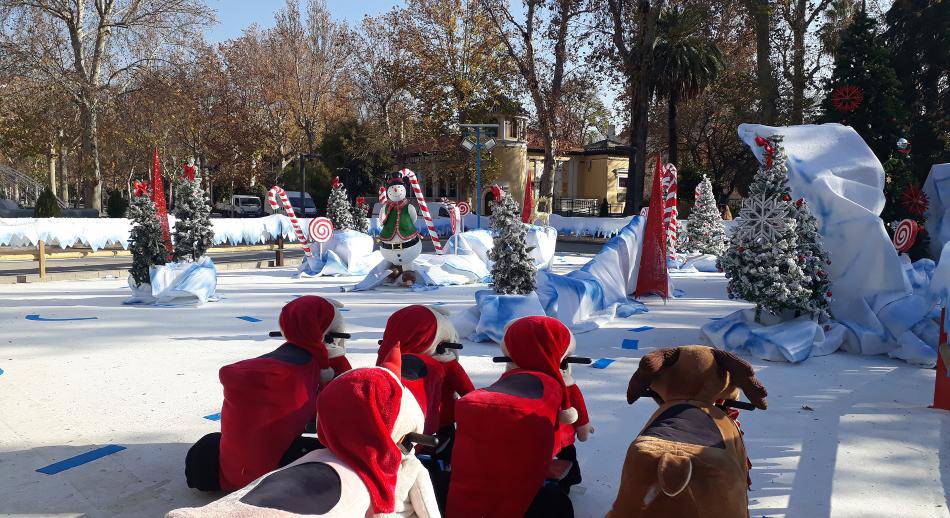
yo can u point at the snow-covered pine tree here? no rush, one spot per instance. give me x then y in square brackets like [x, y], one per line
[761, 262]
[513, 270]
[705, 232]
[146, 242]
[338, 207]
[359, 212]
[813, 260]
[193, 231]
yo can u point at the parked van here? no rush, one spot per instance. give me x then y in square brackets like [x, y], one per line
[305, 210]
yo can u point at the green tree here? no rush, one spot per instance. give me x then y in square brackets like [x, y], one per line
[145, 240]
[193, 231]
[46, 205]
[117, 205]
[918, 35]
[862, 60]
[685, 63]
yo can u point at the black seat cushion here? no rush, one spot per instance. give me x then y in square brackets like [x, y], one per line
[686, 424]
[289, 353]
[523, 385]
[308, 488]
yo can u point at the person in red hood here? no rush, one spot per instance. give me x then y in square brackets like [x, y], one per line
[269, 401]
[507, 432]
[430, 366]
[368, 422]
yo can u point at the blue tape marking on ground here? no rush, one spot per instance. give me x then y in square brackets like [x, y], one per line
[214, 417]
[439, 304]
[81, 459]
[641, 329]
[344, 309]
[249, 319]
[1, 372]
[602, 363]
[37, 318]
[630, 344]
[678, 293]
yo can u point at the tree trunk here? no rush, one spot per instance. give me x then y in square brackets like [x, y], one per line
[639, 126]
[51, 162]
[90, 157]
[765, 79]
[546, 187]
[672, 155]
[64, 173]
[798, 64]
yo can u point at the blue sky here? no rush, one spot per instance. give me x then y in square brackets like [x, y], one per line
[235, 15]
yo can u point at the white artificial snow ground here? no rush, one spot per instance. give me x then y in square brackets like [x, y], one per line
[144, 377]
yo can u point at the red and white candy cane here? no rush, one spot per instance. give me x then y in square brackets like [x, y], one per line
[414, 182]
[272, 195]
[670, 212]
[382, 211]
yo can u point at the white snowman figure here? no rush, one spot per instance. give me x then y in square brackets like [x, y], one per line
[399, 239]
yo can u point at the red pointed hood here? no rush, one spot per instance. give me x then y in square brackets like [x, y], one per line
[304, 323]
[361, 416]
[414, 328]
[539, 344]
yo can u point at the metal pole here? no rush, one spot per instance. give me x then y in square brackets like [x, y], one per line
[303, 186]
[478, 174]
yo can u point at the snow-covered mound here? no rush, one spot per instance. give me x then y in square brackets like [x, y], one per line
[937, 189]
[583, 300]
[835, 171]
[177, 284]
[347, 253]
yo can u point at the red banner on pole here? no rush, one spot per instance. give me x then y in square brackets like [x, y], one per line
[653, 278]
[158, 196]
[527, 209]
[942, 383]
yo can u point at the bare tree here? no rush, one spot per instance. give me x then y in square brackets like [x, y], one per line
[541, 45]
[92, 47]
[760, 14]
[804, 64]
[311, 55]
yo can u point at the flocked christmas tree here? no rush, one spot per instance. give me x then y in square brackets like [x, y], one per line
[705, 232]
[338, 207]
[513, 270]
[145, 240]
[762, 261]
[193, 231]
[814, 262]
[359, 212]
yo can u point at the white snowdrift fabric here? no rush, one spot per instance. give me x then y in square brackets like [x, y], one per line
[937, 189]
[583, 300]
[348, 253]
[842, 181]
[177, 284]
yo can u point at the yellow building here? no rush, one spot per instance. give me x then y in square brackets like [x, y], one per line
[584, 178]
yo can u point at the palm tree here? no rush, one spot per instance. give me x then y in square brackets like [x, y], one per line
[685, 62]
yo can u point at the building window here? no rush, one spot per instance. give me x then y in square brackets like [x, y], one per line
[621, 178]
[621, 197]
[428, 189]
[453, 190]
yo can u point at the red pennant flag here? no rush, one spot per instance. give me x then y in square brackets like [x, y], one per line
[528, 207]
[158, 196]
[653, 278]
[942, 383]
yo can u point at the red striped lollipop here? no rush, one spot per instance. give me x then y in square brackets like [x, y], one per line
[905, 235]
[321, 230]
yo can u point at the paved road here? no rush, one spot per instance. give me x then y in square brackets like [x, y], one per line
[92, 264]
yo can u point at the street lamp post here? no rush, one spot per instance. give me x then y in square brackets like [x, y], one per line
[477, 148]
[303, 180]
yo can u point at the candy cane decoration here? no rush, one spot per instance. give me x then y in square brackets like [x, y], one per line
[414, 182]
[670, 212]
[272, 195]
[382, 211]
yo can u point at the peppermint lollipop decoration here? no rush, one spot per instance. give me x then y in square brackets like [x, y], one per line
[905, 235]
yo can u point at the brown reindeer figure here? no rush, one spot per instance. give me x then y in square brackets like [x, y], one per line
[690, 459]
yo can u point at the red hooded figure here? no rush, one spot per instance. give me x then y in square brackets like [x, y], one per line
[430, 370]
[506, 432]
[268, 401]
[363, 471]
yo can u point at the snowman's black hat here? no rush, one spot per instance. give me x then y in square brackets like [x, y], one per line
[396, 179]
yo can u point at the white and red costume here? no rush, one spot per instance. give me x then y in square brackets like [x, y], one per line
[508, 431]
[362, 472]
[436, 379]
[270, 400]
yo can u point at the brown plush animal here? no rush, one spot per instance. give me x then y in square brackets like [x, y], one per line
[689, 460]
